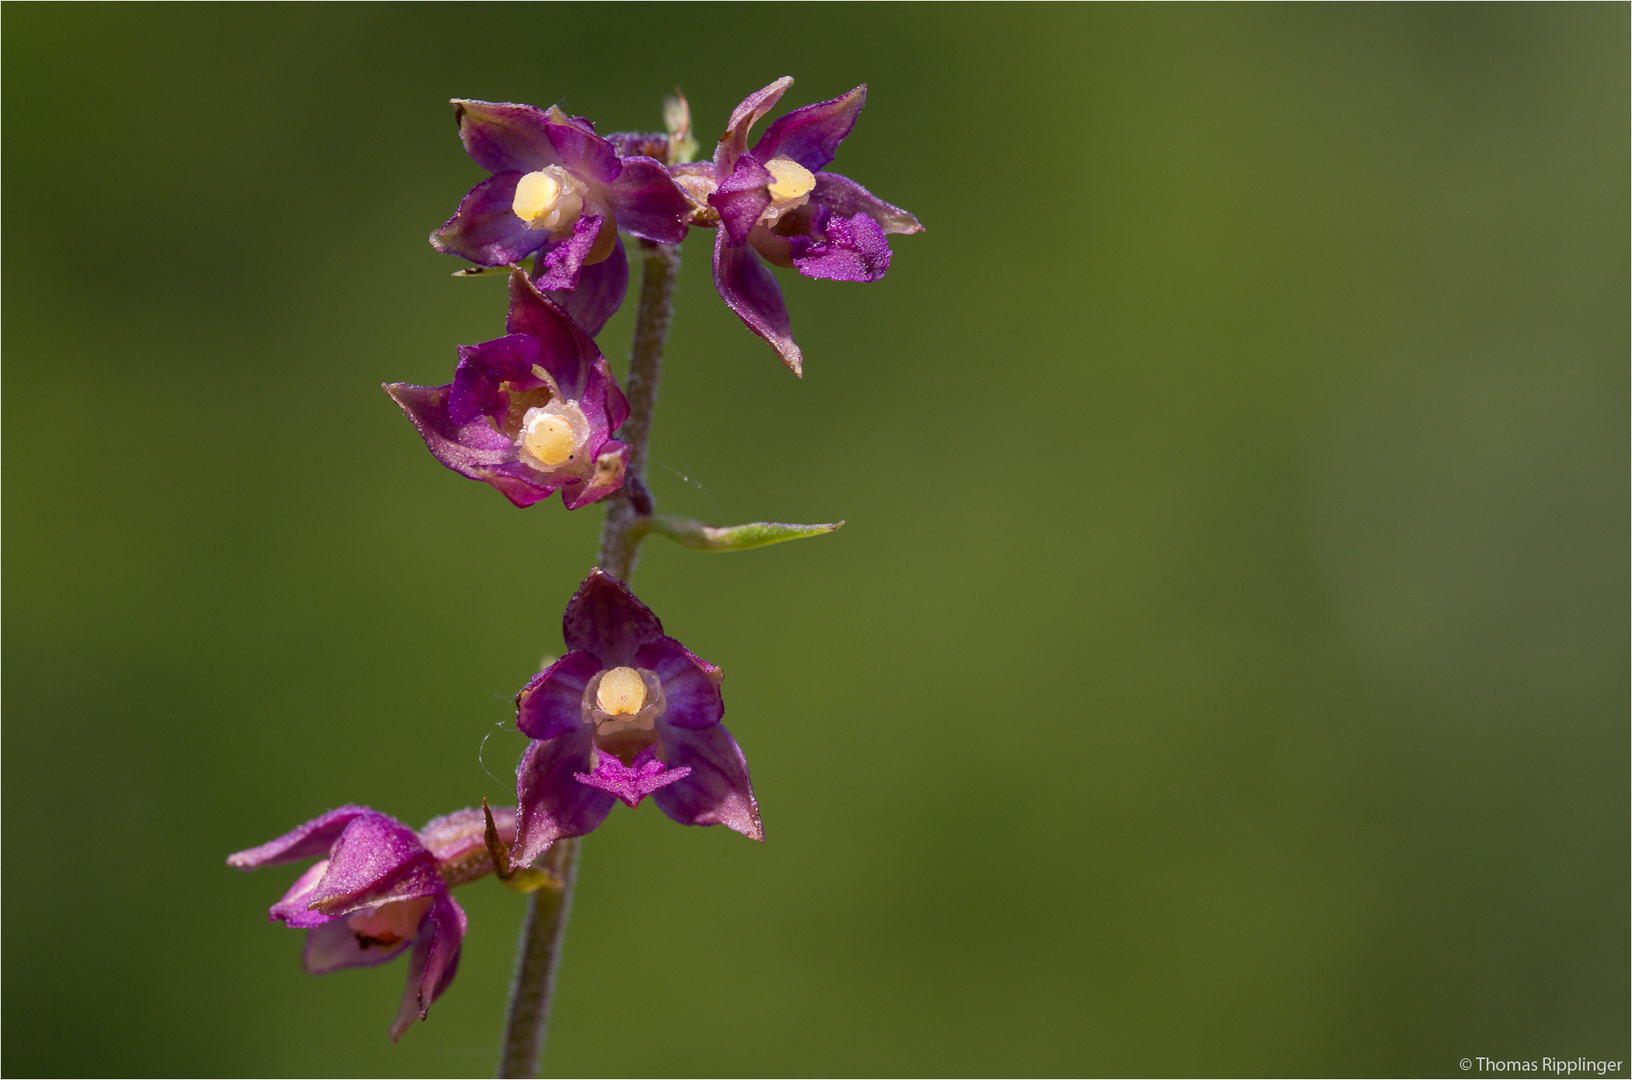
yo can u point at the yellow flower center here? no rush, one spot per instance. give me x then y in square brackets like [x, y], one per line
[622, 692]
[790, 188]
[548, 436]
[551, 198]
[791, 179]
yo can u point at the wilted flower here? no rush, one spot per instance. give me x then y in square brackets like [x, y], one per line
[561, 190]
[774, 202]
[531, 412]
[627, 713]
[379, 887]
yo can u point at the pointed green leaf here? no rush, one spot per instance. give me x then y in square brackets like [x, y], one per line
[700, 537]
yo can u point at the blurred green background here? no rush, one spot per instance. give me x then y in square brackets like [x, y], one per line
[1224, 668]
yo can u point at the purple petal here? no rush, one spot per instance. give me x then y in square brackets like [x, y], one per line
[563, 259]
[599, 292]
[734, 143]
[610, 465]
[335, 945]
[717, 792]
[482, 368]
[691, 685]
[846, 198]
[633, 782]
[647, 202]
[853, 249]
[503, 136]
[292, 909]
[552, 703]
[435, 962]
[811, 135]
[605, 618]
[742, 198]
[376, 860]
[485, 229]
[581, 150]
[472, 450]
[751, 291]
[552, 805]
[307, 841]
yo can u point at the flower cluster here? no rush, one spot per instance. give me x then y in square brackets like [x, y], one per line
[628, 713]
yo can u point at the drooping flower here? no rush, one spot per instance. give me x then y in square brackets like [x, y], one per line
[627, 713]
[378, 888]
[531, 412]
[561, 190]
[774, 202]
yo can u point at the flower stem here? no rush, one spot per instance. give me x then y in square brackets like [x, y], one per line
[621, 535]
[539, 952]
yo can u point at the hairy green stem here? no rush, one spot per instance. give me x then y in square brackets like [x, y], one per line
[539, 952]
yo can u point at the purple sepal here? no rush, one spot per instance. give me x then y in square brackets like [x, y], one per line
[691, 685]
[751, 291]
[843, 197]
[501, 136]
[485, 229]
[307, 841]
[474, 450]
[563, 259]
[647, 202]
[599, 292]
[335, 945]
[811, 135]
[633, 782]
[292, 910]
[734, 143]
[376, 860]
[741, 198]
[606, 619]
[551, 705]
[718, 791]
[552, 805]
[434, 963]
[851, 249]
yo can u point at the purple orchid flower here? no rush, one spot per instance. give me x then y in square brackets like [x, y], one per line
[531, 412]
[774, 202]
[379, 887]
[627, 713]
[561, 190]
